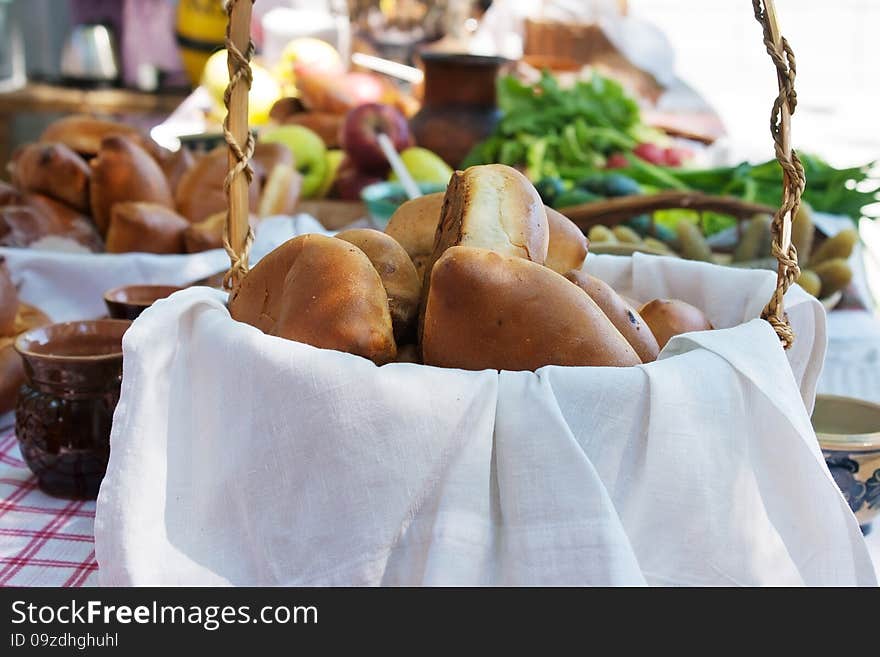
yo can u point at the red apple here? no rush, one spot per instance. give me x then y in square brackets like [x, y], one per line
[650, 153]
[616, 161]
[350, 180]
[360, 130]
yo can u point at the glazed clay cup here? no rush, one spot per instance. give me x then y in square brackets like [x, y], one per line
[130, 301]
[73, 374]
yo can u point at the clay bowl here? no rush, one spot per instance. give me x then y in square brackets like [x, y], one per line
[129, 301]
[73, 374]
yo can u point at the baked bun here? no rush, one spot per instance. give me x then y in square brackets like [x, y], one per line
[65, 222]
[281, 191]
[568, 245]
[175, 165]
[414, 225]
[398, 274]
[54, 170]
[84, 134]
[208, 233]
[22, 225]
[320, 291]
[11, 366]
[267, 155]
[488, 310]
[145, 228]
[493, 206]
[200, 190]
[8, 301]
[670, 317]
[121, 172]
[625, 318]
[9, 195]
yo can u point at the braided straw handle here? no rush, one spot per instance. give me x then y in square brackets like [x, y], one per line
[237, 235]
[793, 179]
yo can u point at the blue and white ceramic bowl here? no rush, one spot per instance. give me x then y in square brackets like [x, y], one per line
[849, 435]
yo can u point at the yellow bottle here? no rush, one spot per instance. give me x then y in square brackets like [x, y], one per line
[201, 30]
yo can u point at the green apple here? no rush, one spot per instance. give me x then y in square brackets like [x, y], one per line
[424, 166]
[309, 154]
[333, 158]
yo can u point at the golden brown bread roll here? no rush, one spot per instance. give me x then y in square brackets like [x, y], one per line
[123, 172]
[84, 134]
[11, 366]
[8, 301]
[22, 225]
[200, 190]
[268, 155]
[175, 165]
[280, 191]
[414, 225]
[53, 170]
[492, 206]
[488, 310]
[145, 228]
[670, 317]
[625, 318]
[568, 245]
[321, 291]
[398, 274]
[9, 195]
[208, 233]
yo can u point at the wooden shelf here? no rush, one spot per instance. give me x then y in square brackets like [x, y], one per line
[38, 97]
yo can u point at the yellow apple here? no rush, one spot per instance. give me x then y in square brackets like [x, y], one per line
[424, 166]
[264, 89]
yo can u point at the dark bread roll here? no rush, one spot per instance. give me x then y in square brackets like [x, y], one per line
[568, 245]
[398, 274]
[414, 225]
[487, 310]
[9, 195]
[22, 225]
[53, 170]
[66, 222]
[200, 191]
[145, 228]
[670, 317]
[320, 291]
[625, 318]
[269, 155]
[208, 233]
[175, 165]
[124, 172]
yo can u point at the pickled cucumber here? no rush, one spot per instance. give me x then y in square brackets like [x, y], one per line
[840, 246]
[657, 245]
[835, 275]
[802, 233]
[626, 235]
[601, 234]
[755, 242]
[810, 281]
[693, 245]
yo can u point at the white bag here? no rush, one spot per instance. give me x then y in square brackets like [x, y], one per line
[245, 459]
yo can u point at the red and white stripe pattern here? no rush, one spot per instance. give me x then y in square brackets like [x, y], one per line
[44, 541]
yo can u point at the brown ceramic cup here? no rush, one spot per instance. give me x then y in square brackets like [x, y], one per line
[129, 301]
[73, 374]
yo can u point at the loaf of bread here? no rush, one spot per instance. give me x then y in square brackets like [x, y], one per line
[175, 165]
[398, 274]
[320, 291]
[625, 318]
[488, 310]
[124, 172]
[281, 190]
[146, 228]
[267, 155]
[494, 207]
[414, 225]
[208, 233]
[670, 317]
[65, 222]
[8, 301]
[53, 170]
[11, 366]
[568, 245]
[200, 191]
[84, 134]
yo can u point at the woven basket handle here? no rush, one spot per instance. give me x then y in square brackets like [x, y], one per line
[238, 236]
[793, 179]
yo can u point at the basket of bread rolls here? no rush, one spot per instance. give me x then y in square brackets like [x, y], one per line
[469, 398]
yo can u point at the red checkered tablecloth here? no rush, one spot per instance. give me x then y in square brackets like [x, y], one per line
[44, 541]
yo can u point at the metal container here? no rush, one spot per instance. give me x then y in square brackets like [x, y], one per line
[90, 55]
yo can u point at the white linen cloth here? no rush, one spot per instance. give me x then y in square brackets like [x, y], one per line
[245, 459]
[70, 286]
